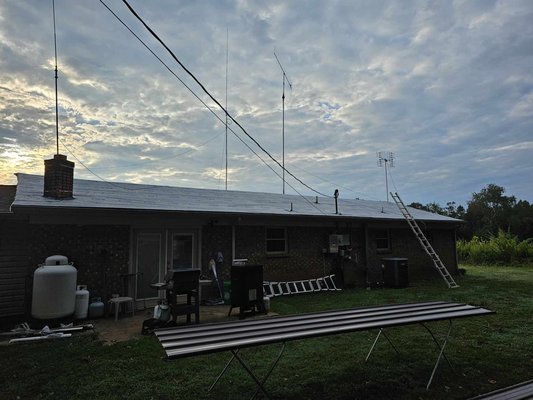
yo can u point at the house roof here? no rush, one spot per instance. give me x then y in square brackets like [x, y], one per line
[98, 195]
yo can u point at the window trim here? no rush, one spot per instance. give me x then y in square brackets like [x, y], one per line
[380, 238]
[285, 241]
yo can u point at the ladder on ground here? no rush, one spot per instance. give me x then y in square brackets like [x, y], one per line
[273, 289]
[424, 242]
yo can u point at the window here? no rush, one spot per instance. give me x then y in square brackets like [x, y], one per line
[382, 240]
[182, 251]
[276, 241]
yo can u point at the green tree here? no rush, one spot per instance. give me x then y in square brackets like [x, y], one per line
[521, 221]
[490, 210]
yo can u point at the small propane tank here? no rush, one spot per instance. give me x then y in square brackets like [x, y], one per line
[162, 312]
[82, 302]
[96, 308]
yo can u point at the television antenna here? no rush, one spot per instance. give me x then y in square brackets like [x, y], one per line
[385, 158]
[226, 124]
[284, 78]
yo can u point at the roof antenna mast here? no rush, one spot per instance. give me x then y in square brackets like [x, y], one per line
[55, 53]
[227, 53]
[383, 159]
[284, 78]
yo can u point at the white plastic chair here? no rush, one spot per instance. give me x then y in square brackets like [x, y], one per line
[115, 302]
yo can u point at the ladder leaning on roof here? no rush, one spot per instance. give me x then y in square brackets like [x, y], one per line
[424, 242]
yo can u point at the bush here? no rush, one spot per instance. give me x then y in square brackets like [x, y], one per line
[503, 248]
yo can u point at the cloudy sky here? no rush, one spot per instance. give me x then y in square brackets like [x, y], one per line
[447, 86]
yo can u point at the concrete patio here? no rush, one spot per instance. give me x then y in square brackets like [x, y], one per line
[128, 327]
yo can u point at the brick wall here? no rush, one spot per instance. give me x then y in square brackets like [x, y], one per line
[404, 244]
[14, 275]
[304, 259]
[99, 252]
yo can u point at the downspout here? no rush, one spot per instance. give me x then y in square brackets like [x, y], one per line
[455, 249]
[365, 233]
[232, 243]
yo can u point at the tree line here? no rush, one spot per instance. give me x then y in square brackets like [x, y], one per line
[487, 213]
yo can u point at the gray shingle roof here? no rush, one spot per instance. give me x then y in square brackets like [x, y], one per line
[90, 194]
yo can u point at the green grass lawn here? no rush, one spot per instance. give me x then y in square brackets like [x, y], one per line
[487, 353]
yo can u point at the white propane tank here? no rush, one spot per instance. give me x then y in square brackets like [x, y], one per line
[54, 289]
[82, 302]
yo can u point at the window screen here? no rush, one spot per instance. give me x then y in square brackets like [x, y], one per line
[276, 240]
[382, 239]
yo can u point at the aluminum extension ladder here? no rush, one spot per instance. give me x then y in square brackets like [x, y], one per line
[424, 242]
[273, 289]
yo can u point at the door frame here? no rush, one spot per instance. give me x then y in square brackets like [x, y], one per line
[162, 258]
[165, 253]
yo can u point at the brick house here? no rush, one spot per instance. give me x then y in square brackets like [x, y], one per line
[107, 229]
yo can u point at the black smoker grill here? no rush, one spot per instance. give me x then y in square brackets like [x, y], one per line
[247, 289]
[395, 272]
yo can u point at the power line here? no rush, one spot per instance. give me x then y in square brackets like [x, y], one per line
[213, 98]
[173, 156]
[154, 186]
[368, 197]
[208, 107]
[103, 179]
[192, 92]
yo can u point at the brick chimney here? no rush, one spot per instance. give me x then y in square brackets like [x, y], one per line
[58, 177]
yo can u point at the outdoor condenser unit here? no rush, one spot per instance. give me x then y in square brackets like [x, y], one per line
[395, 272]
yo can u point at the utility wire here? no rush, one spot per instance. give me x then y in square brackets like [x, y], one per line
[209, 108]
[103, 179]
[184, 84]
[213, 98]
[195, 95]
[173, 156]
[147, 187]
[368, 197]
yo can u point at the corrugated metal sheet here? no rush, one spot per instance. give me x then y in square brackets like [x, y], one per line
[126, 196]
[210, 338]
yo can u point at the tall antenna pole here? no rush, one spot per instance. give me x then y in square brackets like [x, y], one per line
[383, 159]
[55, 53]
[284, 78]
[227, 53]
